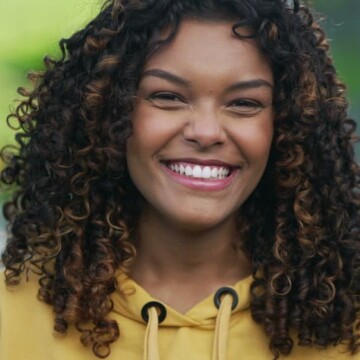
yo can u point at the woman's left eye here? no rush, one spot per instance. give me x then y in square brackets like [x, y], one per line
[245, 106]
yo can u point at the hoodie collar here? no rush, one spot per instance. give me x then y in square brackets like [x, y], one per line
[129, 299]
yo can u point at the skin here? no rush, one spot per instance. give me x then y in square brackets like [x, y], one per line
[205, 96]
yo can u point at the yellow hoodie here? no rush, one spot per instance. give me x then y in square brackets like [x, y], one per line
[203, 333]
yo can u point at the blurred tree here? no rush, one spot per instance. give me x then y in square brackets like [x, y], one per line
[28, 31]
[342, 25]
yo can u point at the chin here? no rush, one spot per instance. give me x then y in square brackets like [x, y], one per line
[195, 223]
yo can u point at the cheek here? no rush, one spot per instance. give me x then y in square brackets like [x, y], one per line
[152, 129]
[141, 139]
[254, 141]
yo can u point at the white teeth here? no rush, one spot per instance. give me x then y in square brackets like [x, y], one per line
[188, 171]
[214, 173]
[206, 172]
[200, 172]
[196, 171]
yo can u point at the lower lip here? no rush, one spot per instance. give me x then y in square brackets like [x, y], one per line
[201, 184]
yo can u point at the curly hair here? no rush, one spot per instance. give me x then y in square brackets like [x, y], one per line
[75, 209]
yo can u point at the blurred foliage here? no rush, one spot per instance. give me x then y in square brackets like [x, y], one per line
[341, 22]
[29, 30]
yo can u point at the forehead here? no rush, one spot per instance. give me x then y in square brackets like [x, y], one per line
[211, 47]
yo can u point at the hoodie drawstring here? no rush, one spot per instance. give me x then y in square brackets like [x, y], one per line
[151, 351]
[150, 315]
[226, 304]
[225, 299]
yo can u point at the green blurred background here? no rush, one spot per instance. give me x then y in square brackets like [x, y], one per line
[30, 29]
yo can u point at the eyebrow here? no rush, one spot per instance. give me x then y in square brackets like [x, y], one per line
[240, 85]
[167, 76]
[250, 84]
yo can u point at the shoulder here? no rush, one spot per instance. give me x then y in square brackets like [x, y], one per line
[20, 302]
[27, 287]
[22, 318]
[26, 325]
[339, 352]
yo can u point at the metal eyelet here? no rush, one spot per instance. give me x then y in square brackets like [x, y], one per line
[226, 290]
[147, 306]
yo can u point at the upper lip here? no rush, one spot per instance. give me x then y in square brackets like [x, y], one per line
[203, 162]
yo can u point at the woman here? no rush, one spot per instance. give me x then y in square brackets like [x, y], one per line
[187, 189]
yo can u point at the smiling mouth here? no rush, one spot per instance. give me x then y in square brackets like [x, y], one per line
[205, 172]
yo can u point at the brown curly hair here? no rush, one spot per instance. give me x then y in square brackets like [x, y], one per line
[75, 208]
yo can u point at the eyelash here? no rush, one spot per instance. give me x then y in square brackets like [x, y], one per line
[173, 101]
[245, 106]
[168, 96]
[246, 102]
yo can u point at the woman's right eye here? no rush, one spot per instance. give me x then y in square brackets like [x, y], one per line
[167, 100]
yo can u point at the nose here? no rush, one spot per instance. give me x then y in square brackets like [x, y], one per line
[204, 128]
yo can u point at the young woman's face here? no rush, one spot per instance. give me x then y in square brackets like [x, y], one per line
[202, 126]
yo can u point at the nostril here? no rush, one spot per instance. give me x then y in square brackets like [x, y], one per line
[204, 133]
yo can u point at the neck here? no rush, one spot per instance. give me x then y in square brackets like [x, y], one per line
[167, 254]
